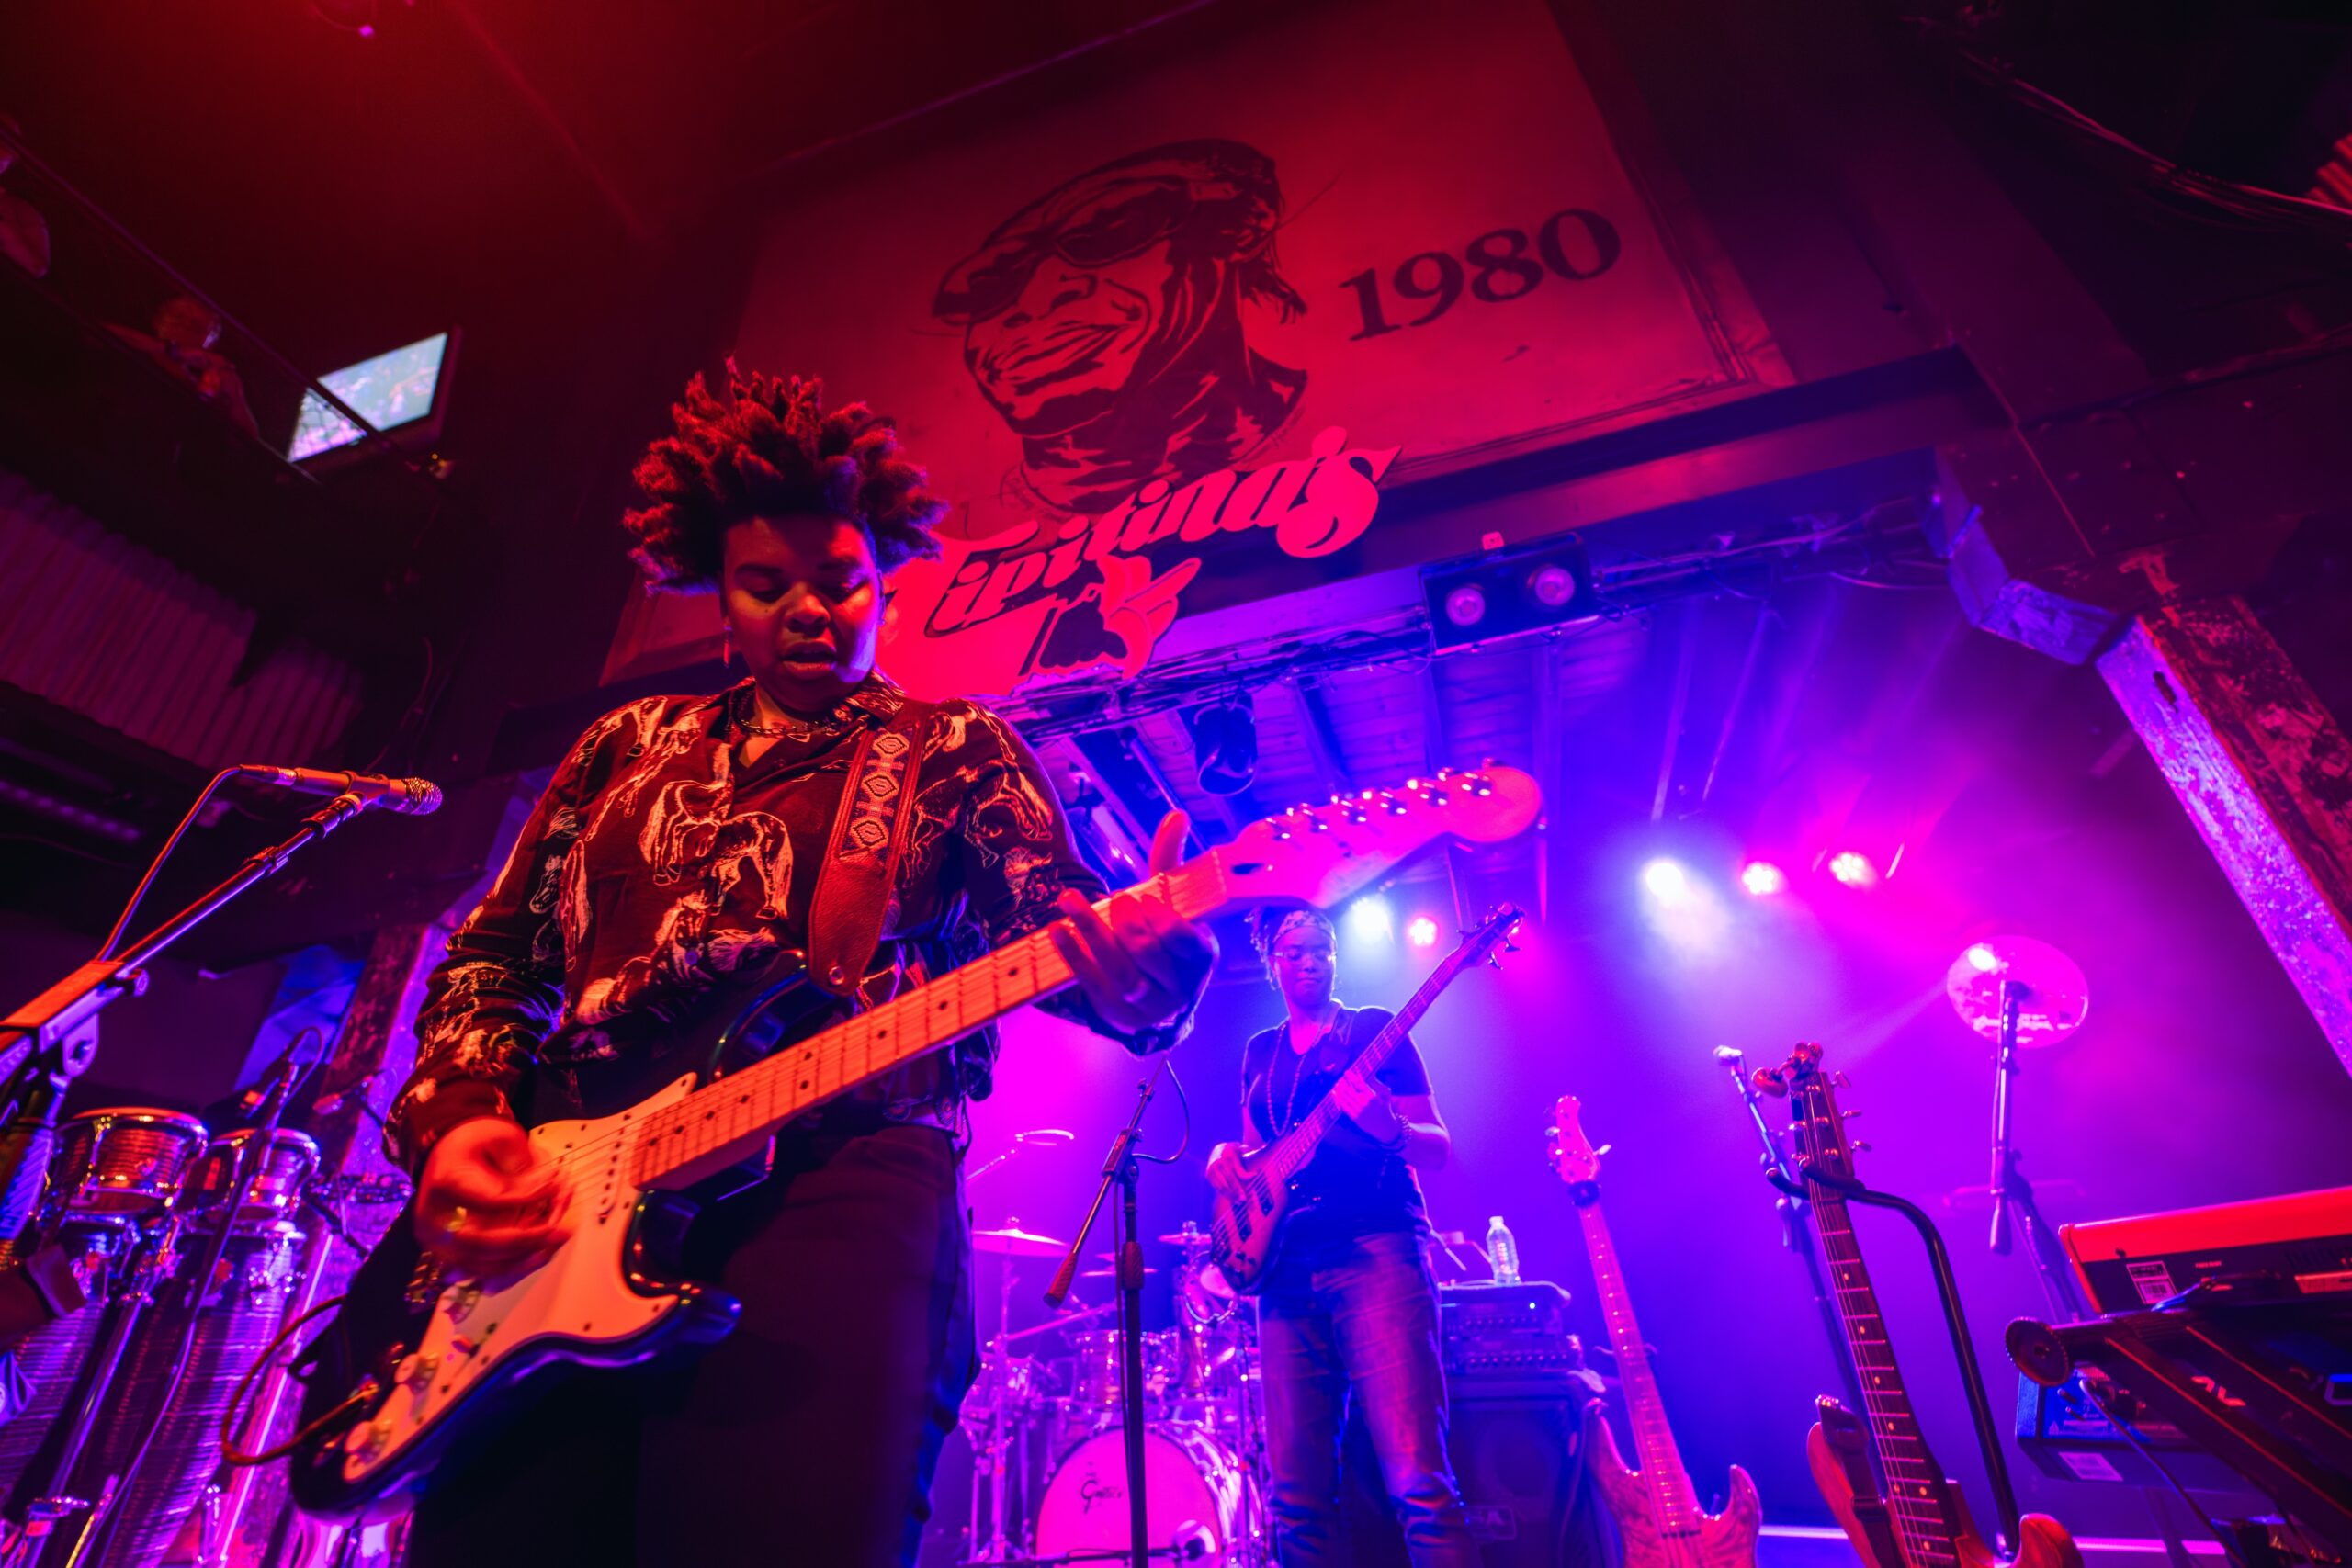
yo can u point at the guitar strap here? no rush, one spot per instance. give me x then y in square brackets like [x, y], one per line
[857, 882]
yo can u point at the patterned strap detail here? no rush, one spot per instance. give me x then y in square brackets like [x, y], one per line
[855, 885]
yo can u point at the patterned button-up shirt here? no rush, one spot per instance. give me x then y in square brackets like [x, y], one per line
[657, 864]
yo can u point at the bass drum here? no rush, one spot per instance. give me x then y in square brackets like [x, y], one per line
[1193, 1491]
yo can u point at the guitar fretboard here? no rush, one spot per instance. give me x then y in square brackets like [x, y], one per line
[1291, 1151]
[756, 1100]
[1908, 1469]
[1674, 1507]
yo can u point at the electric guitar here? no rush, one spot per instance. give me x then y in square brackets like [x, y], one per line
[1246, 1228]
[1656, 1508]
[1873, 1468]
[418, 1358]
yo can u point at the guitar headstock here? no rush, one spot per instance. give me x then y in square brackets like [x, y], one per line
[1322, 854]
[1574, 1159]
[1816, 1126]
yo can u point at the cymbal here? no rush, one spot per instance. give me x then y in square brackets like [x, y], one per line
[1014, 1242]
[2052, 997]
[1190, 1235]
[1113, 1273]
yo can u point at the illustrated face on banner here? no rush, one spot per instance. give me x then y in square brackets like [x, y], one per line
[1103, 323]
[1163, 335]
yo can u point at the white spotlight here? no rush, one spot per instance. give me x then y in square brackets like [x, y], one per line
[1667, 880]
[1371, 919]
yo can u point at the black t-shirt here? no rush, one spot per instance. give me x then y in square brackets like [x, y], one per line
[1352, 1186]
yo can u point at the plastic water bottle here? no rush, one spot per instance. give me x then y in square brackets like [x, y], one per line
[1502, 1252]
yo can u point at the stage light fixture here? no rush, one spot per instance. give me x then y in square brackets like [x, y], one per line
[1551, 585]
[1466, 605]
[1763, 879]
[1853, 868]
[1421, 931]
[1983, 959]
[1370, 920]
[1667, 880]
[1225, 746]
[1509, 592]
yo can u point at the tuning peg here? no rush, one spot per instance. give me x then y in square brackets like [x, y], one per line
[1495, 960]
[1859, 1148]
[1604, 1149]
[1510, 946]
[1840, 1081]
[1317, 825]
[1850, 1115]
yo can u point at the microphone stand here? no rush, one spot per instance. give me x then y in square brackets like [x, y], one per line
[54, 1035]
[1119, 1169]
[1796, 1231]
[2011, 1192]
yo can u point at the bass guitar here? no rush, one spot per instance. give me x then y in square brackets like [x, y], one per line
[1655, 1508]
[1244, 1226]
[427, 1357]
[1873, 1468]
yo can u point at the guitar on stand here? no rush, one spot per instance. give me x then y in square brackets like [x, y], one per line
[1655, 1508]
[1897, 1507]
[421, 1354]
[1245, 1229]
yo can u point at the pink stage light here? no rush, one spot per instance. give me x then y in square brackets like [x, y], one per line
[1763, 879]
[1853, 868]
[1421, 931]
[1983, 959]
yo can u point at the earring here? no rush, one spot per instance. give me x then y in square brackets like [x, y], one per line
[725, 650]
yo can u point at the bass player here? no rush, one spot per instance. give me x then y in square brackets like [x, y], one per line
[682, 842]
[1349, 1309]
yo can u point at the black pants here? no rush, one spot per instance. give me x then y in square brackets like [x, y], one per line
[806, 1436]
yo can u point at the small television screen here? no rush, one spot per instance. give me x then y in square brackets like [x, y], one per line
[387, 391]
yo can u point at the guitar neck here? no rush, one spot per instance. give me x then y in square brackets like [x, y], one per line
[1676, 1505]
[761, 1097]
[1291, 1151]
[1914, 1485]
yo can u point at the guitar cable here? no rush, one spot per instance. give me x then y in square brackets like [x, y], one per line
[2140, 1444]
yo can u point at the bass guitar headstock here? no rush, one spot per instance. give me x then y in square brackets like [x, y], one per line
[1573, 1157]
[1817, 1126]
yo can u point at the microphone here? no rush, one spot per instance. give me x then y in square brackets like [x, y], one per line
[1729, 1057]
[415, 796]
[1044, 1137]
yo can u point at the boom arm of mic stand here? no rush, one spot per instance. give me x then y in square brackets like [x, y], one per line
[1972, 1377]
[55, 1035]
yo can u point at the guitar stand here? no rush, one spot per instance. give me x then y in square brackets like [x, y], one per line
[1119, 1169]
[1972, 1377]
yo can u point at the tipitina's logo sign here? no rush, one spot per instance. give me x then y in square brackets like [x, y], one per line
[1031, 601]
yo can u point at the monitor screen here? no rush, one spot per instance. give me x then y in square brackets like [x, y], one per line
[387, 391]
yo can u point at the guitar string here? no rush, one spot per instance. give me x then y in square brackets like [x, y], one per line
[831, 1044]
[1208, 868]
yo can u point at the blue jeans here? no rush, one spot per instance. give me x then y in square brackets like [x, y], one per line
[1357, 1318]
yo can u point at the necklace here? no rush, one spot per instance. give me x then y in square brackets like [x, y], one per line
[786, 726]
[1297, 1072]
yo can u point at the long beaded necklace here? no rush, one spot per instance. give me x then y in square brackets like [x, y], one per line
[1298, 1071]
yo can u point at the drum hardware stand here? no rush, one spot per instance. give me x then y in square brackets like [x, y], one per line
[1972, 1377]
[1120, 1169]
[48, 1509]
[1796, 1231]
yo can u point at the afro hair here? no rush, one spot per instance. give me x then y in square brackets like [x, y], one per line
[773, 451]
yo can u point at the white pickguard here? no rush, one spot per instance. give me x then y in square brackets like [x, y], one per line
[581, 1294]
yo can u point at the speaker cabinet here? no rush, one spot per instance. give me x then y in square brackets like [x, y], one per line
[1520, 1462]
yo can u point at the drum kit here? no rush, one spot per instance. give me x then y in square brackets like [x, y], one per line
[1048, 1450]
[189, 1248]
